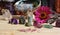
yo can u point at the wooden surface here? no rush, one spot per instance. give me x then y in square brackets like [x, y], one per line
[8, 29]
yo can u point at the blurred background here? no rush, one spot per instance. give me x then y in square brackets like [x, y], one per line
[15, 7]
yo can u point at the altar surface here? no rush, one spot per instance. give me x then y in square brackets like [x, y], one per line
[11, 29]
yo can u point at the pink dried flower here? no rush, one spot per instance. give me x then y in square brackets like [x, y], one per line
[41, 14]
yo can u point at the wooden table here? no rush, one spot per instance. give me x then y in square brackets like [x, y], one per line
[8, 29]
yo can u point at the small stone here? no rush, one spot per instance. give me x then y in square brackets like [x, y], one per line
[27, 25]
[22, 20]
[37, 25]
[50, 21]
[48, 26]
[58, 23]
[13, 21]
